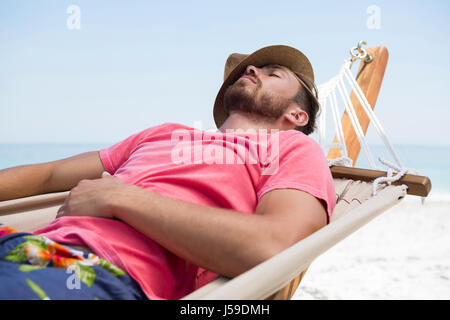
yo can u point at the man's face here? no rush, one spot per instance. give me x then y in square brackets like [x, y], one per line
[265, 91]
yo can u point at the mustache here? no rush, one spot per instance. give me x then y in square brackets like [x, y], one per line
[256, 79]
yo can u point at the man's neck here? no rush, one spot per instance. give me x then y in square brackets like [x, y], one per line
[244, 121]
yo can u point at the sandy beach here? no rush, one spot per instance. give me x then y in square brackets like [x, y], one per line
[402, 254]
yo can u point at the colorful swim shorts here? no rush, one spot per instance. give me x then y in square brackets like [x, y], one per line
[35, 267]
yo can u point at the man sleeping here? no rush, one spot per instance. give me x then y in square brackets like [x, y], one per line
[168, 209]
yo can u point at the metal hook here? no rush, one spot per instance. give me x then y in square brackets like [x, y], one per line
[360, 53]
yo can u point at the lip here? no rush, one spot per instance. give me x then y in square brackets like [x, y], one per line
[248, 78]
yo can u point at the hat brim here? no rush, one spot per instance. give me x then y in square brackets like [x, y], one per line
[286, 56]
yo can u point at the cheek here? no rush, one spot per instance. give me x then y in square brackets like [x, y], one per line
[276, 94]
[280, 88]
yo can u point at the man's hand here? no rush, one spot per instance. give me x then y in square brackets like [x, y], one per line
[93, 198]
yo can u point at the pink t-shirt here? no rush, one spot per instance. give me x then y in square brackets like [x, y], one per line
[228, 170]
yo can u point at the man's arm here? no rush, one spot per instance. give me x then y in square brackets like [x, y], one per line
[222, 240]
[225, 241]
[60, 175]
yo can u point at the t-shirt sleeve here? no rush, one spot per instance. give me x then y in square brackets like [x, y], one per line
[114, 156]
[302, 166]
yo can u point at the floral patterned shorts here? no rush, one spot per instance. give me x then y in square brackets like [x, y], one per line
[35, 267]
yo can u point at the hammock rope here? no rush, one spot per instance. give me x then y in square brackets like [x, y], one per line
[328, 93]
[392, 168]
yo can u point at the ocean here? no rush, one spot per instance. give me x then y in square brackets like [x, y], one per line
[402, 254]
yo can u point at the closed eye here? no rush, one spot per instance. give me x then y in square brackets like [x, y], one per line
[274, 70]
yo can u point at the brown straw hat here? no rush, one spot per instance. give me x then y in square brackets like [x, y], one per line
[286, 56]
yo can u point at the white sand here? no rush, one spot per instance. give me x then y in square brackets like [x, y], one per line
[402, 254]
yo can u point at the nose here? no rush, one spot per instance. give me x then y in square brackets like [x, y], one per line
[252, 70]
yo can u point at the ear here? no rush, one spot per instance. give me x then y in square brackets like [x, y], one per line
[297, 117]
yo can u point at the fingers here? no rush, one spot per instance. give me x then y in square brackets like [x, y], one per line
[61, 211]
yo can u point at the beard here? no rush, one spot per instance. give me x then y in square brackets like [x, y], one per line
[238, 97]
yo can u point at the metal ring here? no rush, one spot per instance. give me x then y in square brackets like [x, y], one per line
[358, 53]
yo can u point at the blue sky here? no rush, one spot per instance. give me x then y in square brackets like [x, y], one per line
[135, 64]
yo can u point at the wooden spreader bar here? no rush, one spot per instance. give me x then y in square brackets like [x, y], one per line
[417, 185]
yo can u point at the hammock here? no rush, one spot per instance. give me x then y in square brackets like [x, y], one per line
[359, 200]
